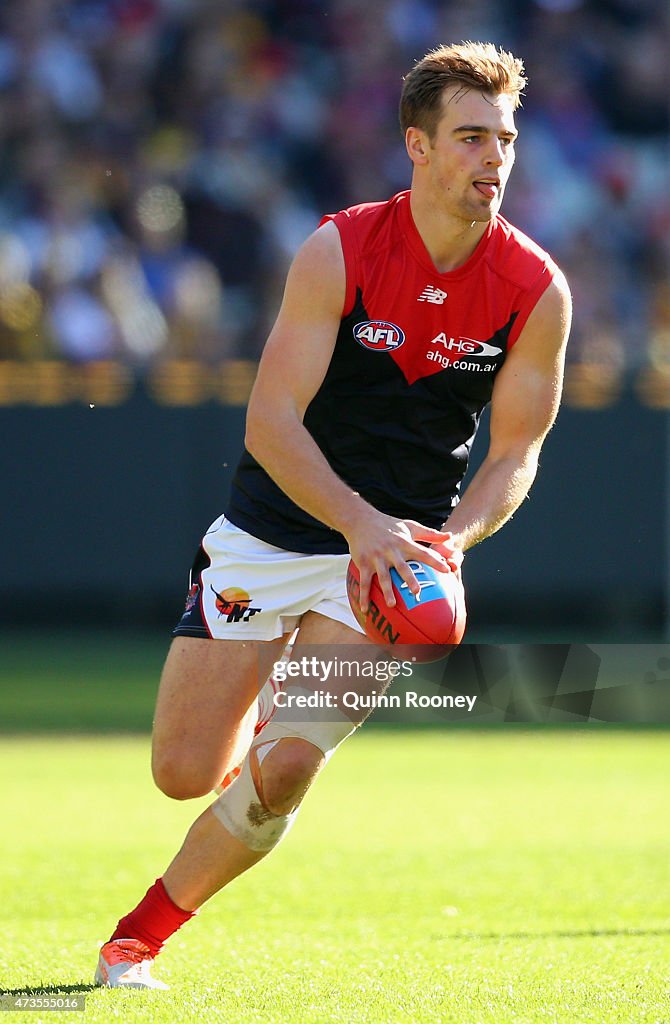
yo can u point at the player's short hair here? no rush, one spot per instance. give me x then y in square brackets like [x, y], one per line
[480, 66]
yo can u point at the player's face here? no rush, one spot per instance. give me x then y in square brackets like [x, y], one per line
[472, 153]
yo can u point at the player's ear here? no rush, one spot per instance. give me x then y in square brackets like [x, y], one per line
[417, 145]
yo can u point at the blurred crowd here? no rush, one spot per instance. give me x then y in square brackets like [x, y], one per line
[161, 160]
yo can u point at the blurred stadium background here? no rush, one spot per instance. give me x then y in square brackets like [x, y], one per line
[160, 162]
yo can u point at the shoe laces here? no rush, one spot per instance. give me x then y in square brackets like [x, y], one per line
[132, 950]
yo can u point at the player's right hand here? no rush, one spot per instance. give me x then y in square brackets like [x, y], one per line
[378, 542]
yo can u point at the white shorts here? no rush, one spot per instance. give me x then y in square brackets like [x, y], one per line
[244, 589]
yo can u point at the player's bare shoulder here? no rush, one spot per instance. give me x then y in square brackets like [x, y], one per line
[548, 326]
[560, 289]
[558, 297]
[316, 279]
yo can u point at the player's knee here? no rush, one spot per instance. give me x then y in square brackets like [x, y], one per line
[261, 804]
[179, 781]
[284, 775]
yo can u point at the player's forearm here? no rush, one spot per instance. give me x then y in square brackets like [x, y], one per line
[288, 453]
[493, 496]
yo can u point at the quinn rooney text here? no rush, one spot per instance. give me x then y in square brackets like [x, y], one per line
[356, 701]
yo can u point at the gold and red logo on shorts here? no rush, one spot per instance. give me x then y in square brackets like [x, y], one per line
[234, 603]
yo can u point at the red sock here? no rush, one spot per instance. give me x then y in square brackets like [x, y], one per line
[154, 919]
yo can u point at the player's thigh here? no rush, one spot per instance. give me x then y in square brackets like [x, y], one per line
[203, 707]
[342, 663]
[321, 629]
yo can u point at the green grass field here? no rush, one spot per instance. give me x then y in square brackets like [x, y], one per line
[436, 876]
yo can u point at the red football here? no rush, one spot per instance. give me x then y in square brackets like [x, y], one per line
[437, 618]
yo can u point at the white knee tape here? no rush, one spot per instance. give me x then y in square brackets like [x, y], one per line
[240, 810]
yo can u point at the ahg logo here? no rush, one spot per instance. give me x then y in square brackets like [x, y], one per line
[466, 346]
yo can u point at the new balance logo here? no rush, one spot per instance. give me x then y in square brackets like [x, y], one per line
[432, 294]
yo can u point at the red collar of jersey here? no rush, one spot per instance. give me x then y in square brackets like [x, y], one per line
[416, 243]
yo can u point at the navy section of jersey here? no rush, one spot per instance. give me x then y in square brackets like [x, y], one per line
[400, 435]
[397, 425]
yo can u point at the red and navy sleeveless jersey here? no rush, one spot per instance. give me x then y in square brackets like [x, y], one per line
[413, 367]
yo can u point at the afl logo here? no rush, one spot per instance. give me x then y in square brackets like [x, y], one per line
[379, 335]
